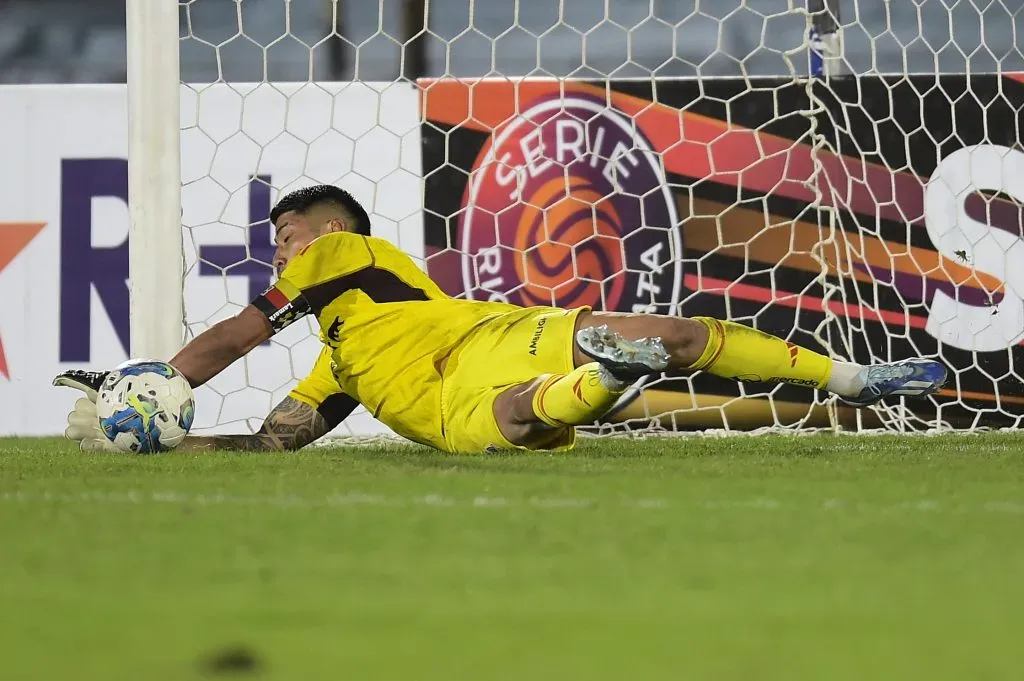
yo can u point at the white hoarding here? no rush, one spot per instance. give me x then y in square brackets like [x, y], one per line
[64, 225]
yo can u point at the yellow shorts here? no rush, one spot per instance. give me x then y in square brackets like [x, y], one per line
[511, 348]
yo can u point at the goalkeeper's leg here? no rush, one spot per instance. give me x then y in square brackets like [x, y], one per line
[613, 350]
[539, 413]
[741, 353]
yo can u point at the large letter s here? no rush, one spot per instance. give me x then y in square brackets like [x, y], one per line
[990, 250]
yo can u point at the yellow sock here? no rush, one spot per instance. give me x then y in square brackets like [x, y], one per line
[745, 354]
[574, 399]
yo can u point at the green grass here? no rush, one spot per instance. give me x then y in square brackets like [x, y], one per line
[740, 559]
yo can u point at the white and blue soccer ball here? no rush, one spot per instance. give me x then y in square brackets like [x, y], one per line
[145, 406]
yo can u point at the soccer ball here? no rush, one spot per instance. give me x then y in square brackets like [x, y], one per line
[145, 406]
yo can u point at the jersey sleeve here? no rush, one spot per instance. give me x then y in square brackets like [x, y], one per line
[336, 263]
[321, 391]
[328, 258]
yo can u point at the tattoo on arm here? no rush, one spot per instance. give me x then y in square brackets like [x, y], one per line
[290, 425]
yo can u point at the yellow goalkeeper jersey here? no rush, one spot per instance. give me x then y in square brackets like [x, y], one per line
[388, 325]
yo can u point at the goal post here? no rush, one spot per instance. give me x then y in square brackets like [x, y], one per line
[155, 260]
[825, 49]
[782, 165]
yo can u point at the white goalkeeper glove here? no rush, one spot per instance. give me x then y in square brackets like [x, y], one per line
[83, 421]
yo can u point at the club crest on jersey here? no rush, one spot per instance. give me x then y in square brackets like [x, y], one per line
[568, 206]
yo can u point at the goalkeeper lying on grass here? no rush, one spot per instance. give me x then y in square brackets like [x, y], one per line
[464, 375]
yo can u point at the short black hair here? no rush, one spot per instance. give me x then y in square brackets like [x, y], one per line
[301, 200]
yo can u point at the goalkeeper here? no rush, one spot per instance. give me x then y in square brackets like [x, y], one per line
[463, 375]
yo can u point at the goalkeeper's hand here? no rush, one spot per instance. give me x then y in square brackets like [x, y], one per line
[83, 422]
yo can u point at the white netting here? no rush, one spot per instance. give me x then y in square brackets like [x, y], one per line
[671, 157]
[245, 145]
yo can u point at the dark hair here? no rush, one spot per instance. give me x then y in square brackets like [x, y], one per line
[301, 200]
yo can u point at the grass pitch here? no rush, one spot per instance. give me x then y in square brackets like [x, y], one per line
[739, 559]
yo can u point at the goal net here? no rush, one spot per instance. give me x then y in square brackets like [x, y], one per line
[844, 174]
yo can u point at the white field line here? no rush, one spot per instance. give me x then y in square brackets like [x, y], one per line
[356, 499]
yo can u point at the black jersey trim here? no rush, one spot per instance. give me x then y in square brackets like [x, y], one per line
[336, 408]
[382, 286]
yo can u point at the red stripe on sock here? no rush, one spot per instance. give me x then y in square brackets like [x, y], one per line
[540, 402]
[721, 347]
[577, 389]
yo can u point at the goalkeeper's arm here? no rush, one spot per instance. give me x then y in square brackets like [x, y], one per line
[215, 349]
[290, 425]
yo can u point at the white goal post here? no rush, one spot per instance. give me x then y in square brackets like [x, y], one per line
[154, 170]
[841, 173]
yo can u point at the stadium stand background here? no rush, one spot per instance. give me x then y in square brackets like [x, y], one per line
[70, 41]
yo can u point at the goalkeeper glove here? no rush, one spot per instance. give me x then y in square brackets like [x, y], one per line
[83, 421]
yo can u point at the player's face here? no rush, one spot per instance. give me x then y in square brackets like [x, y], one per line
[293, 232]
